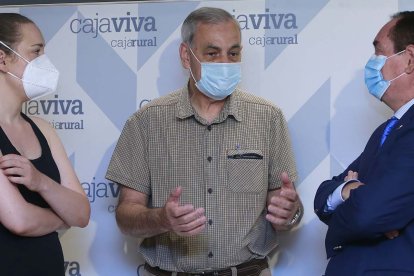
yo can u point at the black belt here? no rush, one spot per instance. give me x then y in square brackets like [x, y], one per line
[250, 268]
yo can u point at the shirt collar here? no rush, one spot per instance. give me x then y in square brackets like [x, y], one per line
[403, 109]
[231, 106]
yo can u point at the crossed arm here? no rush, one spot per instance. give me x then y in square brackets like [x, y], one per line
[380, 207]
[68, 203]
[23, 218]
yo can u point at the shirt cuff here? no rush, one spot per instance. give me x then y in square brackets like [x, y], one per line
[335, 199]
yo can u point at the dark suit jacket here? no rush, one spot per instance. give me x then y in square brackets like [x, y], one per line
[355, 241]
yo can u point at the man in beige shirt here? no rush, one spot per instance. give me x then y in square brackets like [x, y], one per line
[206, 172]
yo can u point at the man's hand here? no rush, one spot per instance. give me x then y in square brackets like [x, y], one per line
[392, 234]
[184, 220]
[283, 204]
[351, 175]
[346, 190]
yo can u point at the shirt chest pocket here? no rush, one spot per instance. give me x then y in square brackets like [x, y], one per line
[245, 171]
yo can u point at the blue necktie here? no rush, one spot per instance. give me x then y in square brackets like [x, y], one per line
[390, 125]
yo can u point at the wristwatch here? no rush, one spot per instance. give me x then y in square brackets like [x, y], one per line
[296, 218]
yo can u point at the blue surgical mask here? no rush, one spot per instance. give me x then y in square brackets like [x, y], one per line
[218, 80]
[373, 77]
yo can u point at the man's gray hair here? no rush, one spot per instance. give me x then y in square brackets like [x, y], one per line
[205, 15]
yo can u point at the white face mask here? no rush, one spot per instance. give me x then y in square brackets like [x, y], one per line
[40, 77]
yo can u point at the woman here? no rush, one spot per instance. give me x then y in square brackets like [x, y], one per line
[39, 190]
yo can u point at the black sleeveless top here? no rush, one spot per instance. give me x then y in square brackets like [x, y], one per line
[31, 255]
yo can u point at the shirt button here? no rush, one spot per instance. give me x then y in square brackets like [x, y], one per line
[209, 127]
[210, 255]
[210, 221]
[209, 158]
[210, 190]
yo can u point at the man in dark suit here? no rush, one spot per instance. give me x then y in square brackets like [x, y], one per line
[369, 208]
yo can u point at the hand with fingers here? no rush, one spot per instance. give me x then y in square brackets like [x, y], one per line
[184, 220]
[19, 170]
[351, 176]
[346, 190]
[283, 204]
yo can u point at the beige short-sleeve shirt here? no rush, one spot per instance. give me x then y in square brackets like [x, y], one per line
[227, 167]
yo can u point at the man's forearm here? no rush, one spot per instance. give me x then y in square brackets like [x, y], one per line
[139, 221]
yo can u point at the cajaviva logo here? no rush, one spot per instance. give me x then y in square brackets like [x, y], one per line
[100, 189]
[267, 20]
[126, 24]
[94, 26]
[56, 107]
[59, 107]
[284, 23]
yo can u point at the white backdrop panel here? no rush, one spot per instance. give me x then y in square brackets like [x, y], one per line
[305, 56]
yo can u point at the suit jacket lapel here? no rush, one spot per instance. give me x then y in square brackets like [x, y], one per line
[402, 124]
